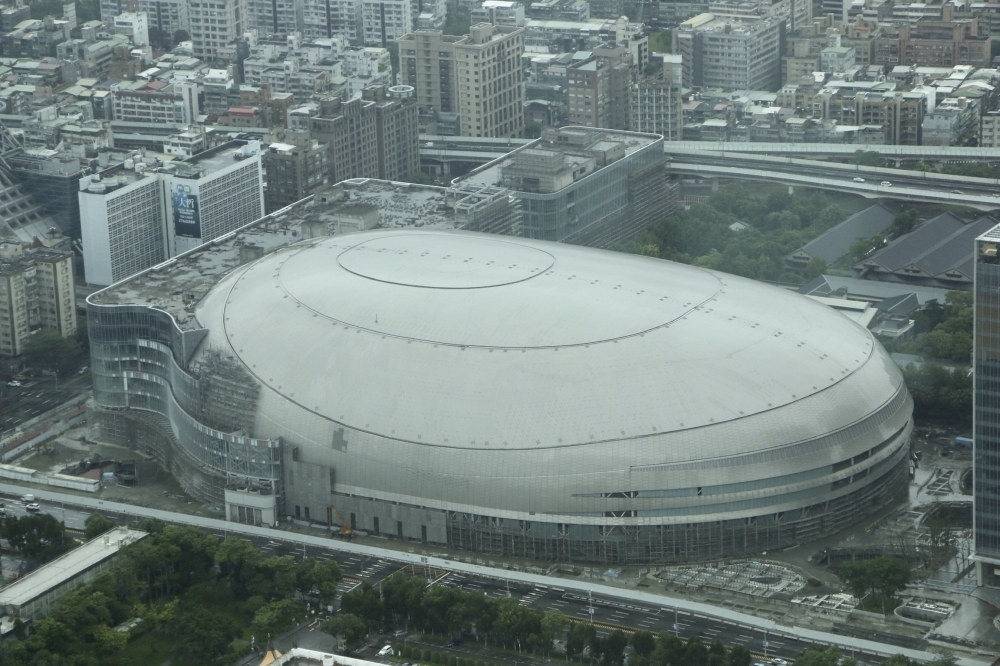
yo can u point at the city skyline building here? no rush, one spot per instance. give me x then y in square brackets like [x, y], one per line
[986, 410]
[478, 76]
[36, 291]
[138, 216]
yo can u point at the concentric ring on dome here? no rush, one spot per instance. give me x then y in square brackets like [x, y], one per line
[467, 263]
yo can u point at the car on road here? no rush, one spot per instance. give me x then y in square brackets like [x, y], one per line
[957, 192]
[384, 651]
[14, 384]
[27, 499]
[400, 633]
[859, 179]
[33, 507]
[454, 643]
[778, 661]
[886, 183]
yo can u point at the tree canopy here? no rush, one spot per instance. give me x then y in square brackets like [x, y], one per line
[779, 224]
[875, 581]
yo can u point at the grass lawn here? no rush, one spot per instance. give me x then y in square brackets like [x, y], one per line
[660, 41]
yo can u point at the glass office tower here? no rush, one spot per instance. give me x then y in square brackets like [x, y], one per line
[986, 411]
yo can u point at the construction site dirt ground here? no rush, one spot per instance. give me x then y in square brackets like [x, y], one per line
[68, 450]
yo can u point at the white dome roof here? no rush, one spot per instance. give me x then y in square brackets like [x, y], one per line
[473, 341]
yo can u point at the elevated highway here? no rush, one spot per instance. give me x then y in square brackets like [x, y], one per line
[785, 163]
[870, 182]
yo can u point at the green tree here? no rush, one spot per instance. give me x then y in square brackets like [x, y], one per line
[900, 660]
[863, 247]
[876, 580]
[904, 222]
[819, 656]
[613, 648]
[940, 394]
[48, 350]
[273, 618]
[240, 562]
[739, 655]
[88, 10]
[869, 158]
[581, 636]
[181, 36]
[204, 636]
[403, 597]
[554, 625]
[159, 39]
[96, 525]
[458, 23]
[923, 167]
[815, 268]
[643, 643]
[365, 603]
[321, 576]
[38, 538]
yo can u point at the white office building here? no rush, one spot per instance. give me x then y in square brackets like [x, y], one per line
[135, 26]
[144, 214]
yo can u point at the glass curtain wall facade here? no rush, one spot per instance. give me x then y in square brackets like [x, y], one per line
[986, 410]
[147, 398]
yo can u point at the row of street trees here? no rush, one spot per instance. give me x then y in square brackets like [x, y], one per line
[409, 603]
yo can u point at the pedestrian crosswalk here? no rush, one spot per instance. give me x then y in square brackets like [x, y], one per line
[346, 585]
[530, 597]
[369, 569]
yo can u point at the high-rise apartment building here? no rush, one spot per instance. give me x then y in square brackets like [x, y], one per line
[477, 75]
[166, 15]
[216, 25]
[328, 18]
[597, 89]
[986, 410]
[730, 53]
[657, 101]
[385, 21]
[276, 18]
[36, 291]
[137, 217]
[295, 165]
[374, 136]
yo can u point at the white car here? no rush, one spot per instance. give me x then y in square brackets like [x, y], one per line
[859, 179]
[14, 384]
[27, 499]
[384, 651]
[778, 661]
[33, 507]
[886, 183]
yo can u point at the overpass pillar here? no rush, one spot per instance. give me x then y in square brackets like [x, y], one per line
[791, 190]
[715, 184]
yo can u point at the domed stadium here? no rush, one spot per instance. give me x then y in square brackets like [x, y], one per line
[509, 397]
